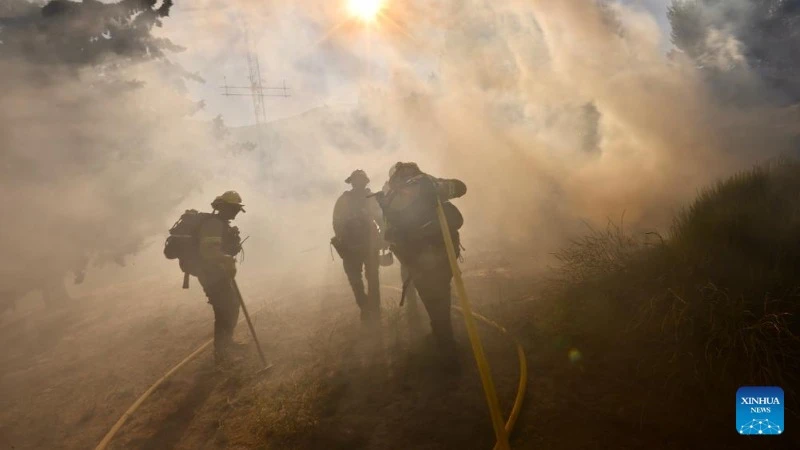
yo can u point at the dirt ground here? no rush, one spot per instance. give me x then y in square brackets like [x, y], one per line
[67, 375]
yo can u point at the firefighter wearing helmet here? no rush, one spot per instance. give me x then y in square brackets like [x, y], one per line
[409, 204]
[219, 243]
[357, 223]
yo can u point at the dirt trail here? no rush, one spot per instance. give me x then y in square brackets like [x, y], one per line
[334, 385]
[68, 375]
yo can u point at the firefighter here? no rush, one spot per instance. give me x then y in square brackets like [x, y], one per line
[219, 243]
[357, 221]
[409, 204]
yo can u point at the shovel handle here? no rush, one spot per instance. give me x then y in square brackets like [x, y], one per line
[249, 323]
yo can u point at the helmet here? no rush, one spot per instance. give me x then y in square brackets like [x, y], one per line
[409, 167]
[229, 198]
[356, 175]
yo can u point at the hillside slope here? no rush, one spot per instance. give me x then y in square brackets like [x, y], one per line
[666, 328]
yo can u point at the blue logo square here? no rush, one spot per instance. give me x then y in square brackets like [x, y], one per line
[759, 410]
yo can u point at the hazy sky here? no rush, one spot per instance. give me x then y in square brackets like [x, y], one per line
[285, 35]
[556, 113]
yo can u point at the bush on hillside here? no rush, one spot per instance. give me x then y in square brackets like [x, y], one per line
[715, 301]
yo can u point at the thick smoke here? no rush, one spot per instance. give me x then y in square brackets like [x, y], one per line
[746, 48]
[89, 169]
[554, 113]
[507, 111]
[97, 145]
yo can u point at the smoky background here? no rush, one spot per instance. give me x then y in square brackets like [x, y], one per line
[556, 114]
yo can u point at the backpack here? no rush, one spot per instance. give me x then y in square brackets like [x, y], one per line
[411, 214]
[183, 243]
[352, 222]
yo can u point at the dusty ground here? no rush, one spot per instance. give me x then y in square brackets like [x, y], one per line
[68, 375]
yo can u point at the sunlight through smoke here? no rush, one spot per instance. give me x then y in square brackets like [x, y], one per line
[365, 10]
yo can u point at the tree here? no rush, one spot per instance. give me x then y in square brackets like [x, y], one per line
[91, 167]
[82, 33]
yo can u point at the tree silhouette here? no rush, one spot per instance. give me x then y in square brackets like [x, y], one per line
[85, 33]
[74, 115]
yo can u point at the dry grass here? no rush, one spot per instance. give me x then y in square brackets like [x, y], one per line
[290, 413]
[295, 408]
[712, 305]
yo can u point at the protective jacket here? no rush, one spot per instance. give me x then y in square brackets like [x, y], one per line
[413, 229]
[218, 243]
[357, 221]
[409, 209]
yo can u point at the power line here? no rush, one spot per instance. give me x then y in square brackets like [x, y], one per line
[256, 90]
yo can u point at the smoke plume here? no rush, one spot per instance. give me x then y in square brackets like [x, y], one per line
[555, 113]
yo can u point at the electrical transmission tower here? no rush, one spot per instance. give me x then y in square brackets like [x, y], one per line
[257, 91]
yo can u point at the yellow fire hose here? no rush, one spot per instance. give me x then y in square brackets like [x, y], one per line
[501, 431]
[523, 373]
[523, 368]
[512, 418]
[115, 429]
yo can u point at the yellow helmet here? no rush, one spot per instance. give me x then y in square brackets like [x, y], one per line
[230, 198]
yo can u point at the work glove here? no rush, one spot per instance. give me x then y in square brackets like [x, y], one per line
[443, 189]
[449, 189]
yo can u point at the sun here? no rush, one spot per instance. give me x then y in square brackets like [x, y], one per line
[365, 10]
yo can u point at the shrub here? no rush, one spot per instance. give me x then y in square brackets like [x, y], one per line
[716, 301]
